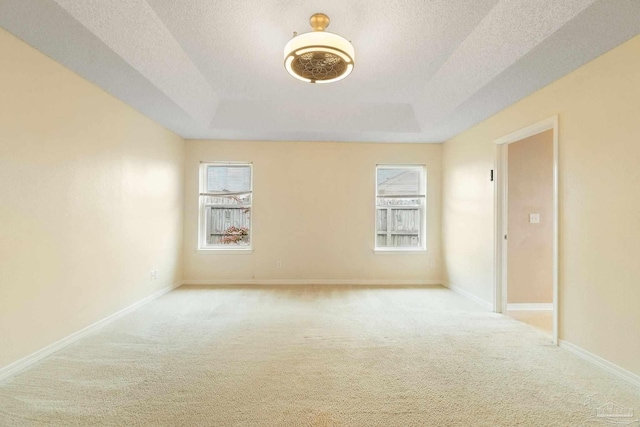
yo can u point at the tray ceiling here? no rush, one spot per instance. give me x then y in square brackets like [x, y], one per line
[425, 70]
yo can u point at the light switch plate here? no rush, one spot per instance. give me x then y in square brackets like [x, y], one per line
[534, 218]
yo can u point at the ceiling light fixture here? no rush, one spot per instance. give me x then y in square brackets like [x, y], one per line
[319, 56]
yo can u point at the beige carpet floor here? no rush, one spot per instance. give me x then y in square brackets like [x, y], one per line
[312, 356]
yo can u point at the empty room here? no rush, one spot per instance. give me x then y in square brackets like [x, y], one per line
[319, 213]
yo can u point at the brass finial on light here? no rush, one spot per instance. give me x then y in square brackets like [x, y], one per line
[319, 21]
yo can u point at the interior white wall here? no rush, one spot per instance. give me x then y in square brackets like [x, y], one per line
[314, 212]
[90, 202]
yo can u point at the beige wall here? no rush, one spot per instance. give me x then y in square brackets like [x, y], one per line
[530, 245]
[467, 219]
[313, 210]
[90, 202]
[598, 107]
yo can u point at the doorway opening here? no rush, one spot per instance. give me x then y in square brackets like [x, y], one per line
[526, 226]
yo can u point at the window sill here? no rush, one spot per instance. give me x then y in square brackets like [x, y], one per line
[400, 251]
[243, 251]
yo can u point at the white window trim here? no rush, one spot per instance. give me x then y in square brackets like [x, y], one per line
[202, 229]
[423, 214]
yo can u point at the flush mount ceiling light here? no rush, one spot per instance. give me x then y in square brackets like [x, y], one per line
[319, 56]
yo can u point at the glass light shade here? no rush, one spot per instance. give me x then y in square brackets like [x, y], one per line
[319, 57]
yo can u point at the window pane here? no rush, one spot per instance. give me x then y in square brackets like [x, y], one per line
[407, 220]
[398, 227]
[381, 225]
[228, 178]
[400, 206]
[229, 225]
[398, 240]
[398, 181]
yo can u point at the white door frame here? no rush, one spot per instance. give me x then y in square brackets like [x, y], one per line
[500, 215]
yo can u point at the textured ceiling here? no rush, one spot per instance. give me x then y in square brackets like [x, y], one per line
[425, 69]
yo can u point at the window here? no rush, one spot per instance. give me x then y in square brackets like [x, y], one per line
[225, 206]
[400, 207]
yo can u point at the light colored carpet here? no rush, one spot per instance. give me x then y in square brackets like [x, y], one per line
[312, 356]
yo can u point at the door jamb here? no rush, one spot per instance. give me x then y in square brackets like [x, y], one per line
[500, 215]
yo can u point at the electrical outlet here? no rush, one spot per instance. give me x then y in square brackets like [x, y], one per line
[279, 264]
[153, 275]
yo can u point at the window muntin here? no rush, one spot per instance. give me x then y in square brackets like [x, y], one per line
[226, 194]
[400, 208]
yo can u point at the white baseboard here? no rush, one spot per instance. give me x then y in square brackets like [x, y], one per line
[485, 304]
[537, 306]
[29, 360]
[601, 363]
[362, 282]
